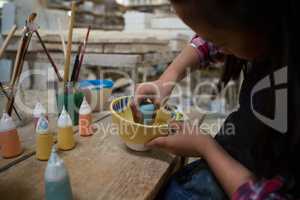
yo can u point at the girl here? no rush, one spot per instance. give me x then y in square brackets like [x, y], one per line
[257, 162]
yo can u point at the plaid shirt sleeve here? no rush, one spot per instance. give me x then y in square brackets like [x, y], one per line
[207, 51]
[261, 190]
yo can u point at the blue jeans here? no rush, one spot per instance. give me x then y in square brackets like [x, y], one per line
[195, 181]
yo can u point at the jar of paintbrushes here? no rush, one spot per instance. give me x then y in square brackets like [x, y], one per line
[70, 97]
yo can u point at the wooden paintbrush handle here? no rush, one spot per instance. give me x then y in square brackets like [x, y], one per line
[69, 47]
[55, 68]
[7, 40]
[19, 61]
[18, 57]
[19, 68]
[82, 54]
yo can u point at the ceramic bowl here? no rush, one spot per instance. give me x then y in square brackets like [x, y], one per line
[136, 135]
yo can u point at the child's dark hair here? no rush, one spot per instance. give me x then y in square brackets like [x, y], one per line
[235, 14]
[272, 17]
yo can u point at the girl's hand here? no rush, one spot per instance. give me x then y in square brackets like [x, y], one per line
[188, 141]
[157, 91]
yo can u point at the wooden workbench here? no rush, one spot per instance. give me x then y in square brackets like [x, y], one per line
[100, 167]
[27, 137]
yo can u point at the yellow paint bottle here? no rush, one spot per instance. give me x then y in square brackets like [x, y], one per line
[44, 139]
[65, 135]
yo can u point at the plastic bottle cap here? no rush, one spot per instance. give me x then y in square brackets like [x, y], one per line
[85, 108]
[54, 158]
[147, 108]
[55, 170]
[6, 123]
[64, 119]
[147, 111]
[38, 110]
[42, 125]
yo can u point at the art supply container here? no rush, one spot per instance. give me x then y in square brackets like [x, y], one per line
[44, 139]
[38, 111]
[69, 97]
[65, 135]
[136, 135]
[10, 145]
[57, 181]
[85, 119]
[97, 93]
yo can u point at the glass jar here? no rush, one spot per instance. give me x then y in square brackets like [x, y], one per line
[69, 96]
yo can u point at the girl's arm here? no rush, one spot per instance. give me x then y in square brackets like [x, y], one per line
[188, 58]
[198, 53]
[161, 89]
[230, 173]
[237, 181]
[191, 142]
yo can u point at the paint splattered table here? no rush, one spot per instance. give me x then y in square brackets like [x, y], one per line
[100, 167]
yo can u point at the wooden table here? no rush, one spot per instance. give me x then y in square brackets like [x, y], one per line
[100, 167]
[27, 138]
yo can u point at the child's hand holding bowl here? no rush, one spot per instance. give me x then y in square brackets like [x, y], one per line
[188, 141]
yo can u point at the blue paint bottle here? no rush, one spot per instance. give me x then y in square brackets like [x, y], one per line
[57, 182]
[148, 113]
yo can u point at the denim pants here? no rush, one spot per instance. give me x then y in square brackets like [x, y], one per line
[195, 181]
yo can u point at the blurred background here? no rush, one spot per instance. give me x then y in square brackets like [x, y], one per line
[132, 41]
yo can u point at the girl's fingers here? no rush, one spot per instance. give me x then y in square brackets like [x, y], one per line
[137, 99]
[156, 102]
[176, 125]
[158, 143]
[136, 114]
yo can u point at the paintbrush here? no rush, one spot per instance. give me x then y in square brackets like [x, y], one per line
[61, 35]
[33, 29]
[7, 39]
[76, 63]
[82, 53]
[18, 58]
[19, 61]
[18, 71]
[69, 46]
[8, 99]
[48, 55]
[22, 49]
